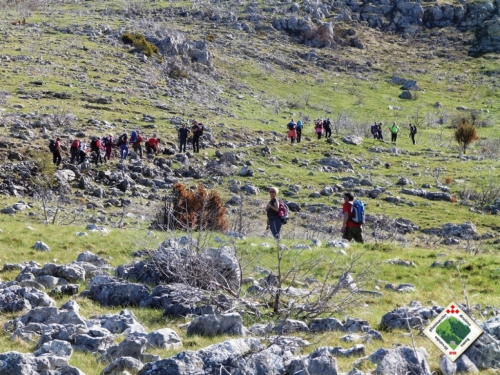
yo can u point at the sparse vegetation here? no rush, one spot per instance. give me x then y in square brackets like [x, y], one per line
[139, 41]
[465, 134]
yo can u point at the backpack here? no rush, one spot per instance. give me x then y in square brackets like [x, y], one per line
[75, 144]
[52, 146]
[283, 212]
[121, 140]
[299, 125]
[200, 129]
[133, 137]
[93, 145]
[358, 212]
[291, 125]
[414, 130]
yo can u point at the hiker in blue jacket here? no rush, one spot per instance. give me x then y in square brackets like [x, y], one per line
[298, 129]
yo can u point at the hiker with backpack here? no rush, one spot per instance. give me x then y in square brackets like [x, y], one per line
[272, 210]
[195, 129]
[292, 133]
[413, 131]
[327, 125]
[135, 141]
[182, 135]
[83, 151]
[374, 130]
[123, 144]
[108, 146]
[379, 131]
[153, 145]
[353, 212]
[74, 151]
[95, 149]
[298, 129]
[318, 128]
[55, 148]
[394, 132]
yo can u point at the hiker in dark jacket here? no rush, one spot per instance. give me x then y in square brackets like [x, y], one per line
[298, 129]
[195, 129]
[379, 131]
[272, 209]
[74, 151]
[413, 131]
[183, 134]
[327, 126]
[374, 131]
[56, 154]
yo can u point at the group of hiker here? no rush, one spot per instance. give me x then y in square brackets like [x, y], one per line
[353, 216]
[323, 127]
[376, 130]
[101, 148]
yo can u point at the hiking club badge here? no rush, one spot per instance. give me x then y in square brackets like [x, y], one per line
[453, 331]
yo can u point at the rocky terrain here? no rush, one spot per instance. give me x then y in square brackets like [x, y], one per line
[244, 69]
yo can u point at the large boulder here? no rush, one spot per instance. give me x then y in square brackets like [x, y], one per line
[119, 293]
[213, 325]
[415, 315]
[401, 360]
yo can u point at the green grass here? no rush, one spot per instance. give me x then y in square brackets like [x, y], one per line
[258, 84]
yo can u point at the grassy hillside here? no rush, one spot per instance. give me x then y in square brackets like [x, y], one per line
[67, 63]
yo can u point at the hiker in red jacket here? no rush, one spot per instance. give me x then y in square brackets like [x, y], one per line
[75, 151]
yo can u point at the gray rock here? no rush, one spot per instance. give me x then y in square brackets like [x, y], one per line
[123, 323]
[401, 360]
[405, 95]
[95, 340]
[319, 362]
[133, 346]
[119, 294]
[291, 325]
[123, 365]
[325, 324]
[164, 338]
[57, 348]
[213, 325]
[352, 140]
[415, 316]
[40, 246]
[89, 257]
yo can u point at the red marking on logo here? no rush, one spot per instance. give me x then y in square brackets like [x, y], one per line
[453, 353]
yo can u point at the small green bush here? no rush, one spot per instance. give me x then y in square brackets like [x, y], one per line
[178, 73]
[210, 37]
[140, 42]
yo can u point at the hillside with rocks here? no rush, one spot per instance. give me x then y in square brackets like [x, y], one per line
[94, 281]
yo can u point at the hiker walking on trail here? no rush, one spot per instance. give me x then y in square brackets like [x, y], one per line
[379, 131]
[74, 150]
[195, 129]
[96, 149]
[108, 146]
[292, 132]
[413, 131]
[183, 134]
[153, 145]
[327, 125]
[298, 129]
[135, 141]
[394, 132]
[56, 152]
[351, 229]
[123, 144]
[318, 128]
[83, 152]
[273, 220]
[374, 130]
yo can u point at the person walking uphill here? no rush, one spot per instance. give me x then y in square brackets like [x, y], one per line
[273, 220]
[196, 136]
[292, 132]
[394, 132]
[135, 141]
[123, 144]
[298, 129]
[183, 133]
[56, 153]
[413, 131]
[350, 230]
[74, 150]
